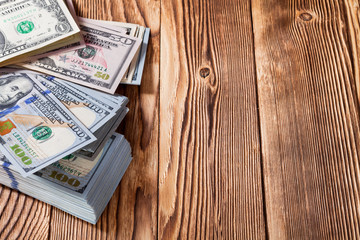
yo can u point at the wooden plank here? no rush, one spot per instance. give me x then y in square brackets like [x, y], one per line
[352, 13]
[209, 167]
[22, 217]
[309, 116]
[132, 211]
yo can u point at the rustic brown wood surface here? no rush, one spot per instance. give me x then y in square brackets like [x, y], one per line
[309, 117]
[246, 126]
[209, 168]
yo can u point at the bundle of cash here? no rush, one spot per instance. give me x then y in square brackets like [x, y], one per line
[36, 129]
[49, 118]
[134, 73]
[58, 139]
[76, 185]
[30, 27]
[114, 54]
[58, 107]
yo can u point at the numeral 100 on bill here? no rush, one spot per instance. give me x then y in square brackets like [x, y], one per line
[65, 179]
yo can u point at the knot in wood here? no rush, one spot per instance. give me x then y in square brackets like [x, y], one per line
[306, 16]
[204, 72]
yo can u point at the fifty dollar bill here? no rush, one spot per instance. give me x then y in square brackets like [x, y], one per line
[101, 65]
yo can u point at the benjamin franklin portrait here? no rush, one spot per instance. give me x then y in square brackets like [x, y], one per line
[12, 89]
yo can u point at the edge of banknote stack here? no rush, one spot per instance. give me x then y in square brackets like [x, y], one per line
[58, 108]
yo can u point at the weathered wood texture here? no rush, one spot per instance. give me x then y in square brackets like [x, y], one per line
[309, 117]
[209, 170]
[22, 217]
[246, 125]
[132, 211]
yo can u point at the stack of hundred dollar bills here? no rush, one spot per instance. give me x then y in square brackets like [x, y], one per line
[58, 106]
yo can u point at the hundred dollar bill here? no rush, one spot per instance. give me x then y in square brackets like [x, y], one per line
[114, 103]
[91, 113]
[101, 65]
[73, 184]
[27, 26]
[35, 128]
[103, 134]
[109, 101]
[78, 170]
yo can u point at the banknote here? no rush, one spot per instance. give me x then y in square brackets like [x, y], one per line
[71, 173]
[59, 47]
[101, 65]
[109, 101]
[89, 112]
[35, 127]
[131, 30]
[29, 25]
[103, 134]
[130, 73]
[139, 67]
[73, 184]
[76, 170]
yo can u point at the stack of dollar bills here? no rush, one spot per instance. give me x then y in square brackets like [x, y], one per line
[74, 184]
[58, 107]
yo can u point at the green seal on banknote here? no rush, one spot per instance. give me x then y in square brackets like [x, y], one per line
[87, 52]
[69, 157]
[42, 133]
[25, 27]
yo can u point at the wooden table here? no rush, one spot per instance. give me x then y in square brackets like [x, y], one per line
[246, 125]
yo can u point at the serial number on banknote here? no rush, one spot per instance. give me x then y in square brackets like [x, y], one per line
[67, 169]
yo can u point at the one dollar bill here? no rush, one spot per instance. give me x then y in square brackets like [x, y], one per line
[26, 26]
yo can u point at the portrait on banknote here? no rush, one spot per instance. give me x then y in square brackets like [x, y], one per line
[12, 89]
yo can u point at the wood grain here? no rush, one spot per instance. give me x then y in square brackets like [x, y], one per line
[209, 169]
[309, 116]
[246, 126]
[352, 13]
[132, 211]
[22, 217]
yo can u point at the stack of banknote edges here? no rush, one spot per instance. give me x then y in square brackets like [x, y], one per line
[58, 107]
[74, 184]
